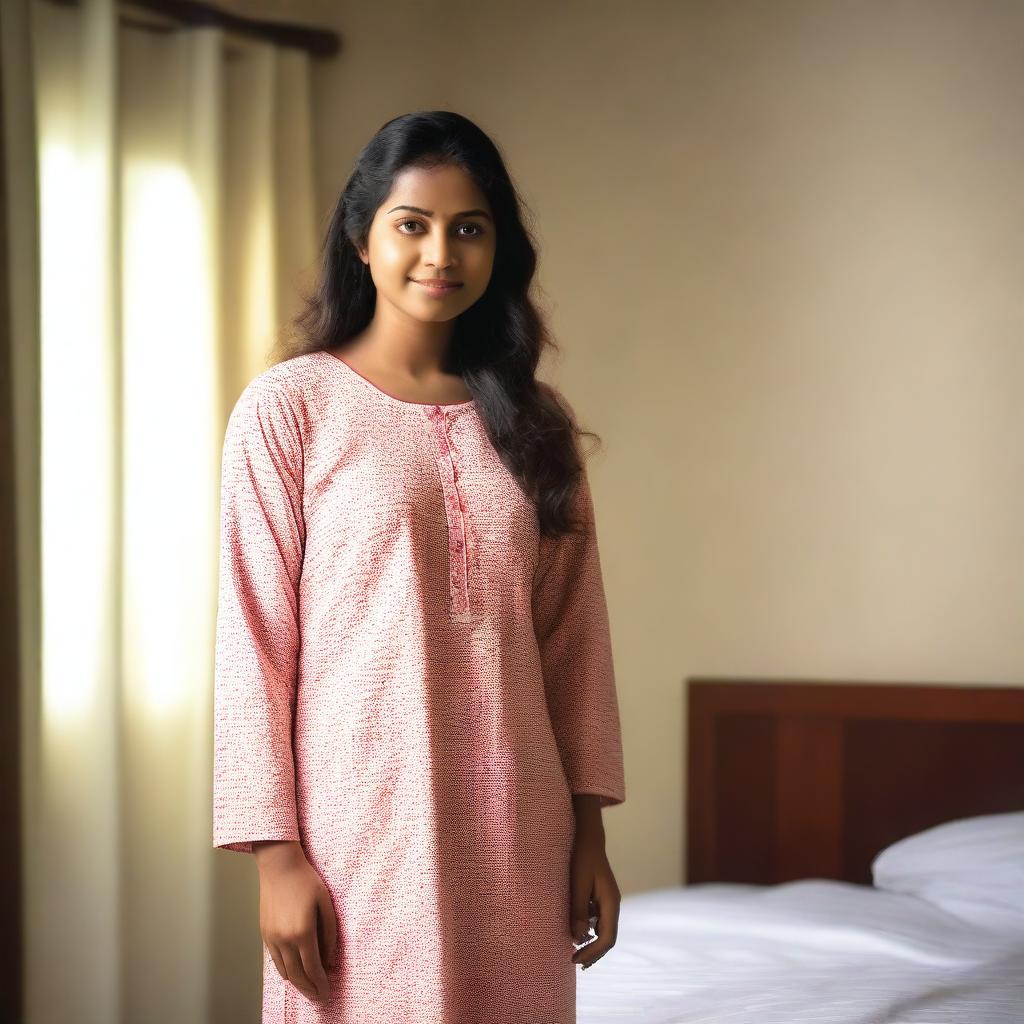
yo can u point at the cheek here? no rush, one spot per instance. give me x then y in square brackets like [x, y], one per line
[392, 255]
[483, 265]
[391, 267]
[478, 257]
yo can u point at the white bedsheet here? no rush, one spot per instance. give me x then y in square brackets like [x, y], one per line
[807, 952]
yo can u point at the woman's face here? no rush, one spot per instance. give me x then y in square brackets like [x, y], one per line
[436, 223]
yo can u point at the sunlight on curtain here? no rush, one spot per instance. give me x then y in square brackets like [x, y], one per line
[251, 212]
[78, 424]
[165, 160]
[171, 431]
[170, 419]
[73, 891]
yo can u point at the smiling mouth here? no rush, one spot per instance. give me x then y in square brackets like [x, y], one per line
[427, 283]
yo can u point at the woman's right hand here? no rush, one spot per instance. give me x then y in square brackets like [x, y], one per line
[297, 919]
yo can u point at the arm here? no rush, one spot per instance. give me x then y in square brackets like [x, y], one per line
[257, 633]
[573, 636]
[571, 621]
[587, 808]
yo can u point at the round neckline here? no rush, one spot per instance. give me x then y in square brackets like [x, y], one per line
[394, 398]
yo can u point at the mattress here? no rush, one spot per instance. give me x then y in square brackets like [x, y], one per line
[808, 951]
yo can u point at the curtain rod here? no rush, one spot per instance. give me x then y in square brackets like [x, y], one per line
[318, 42]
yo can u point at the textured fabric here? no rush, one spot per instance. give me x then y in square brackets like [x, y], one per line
[810, 951]
[413, 683]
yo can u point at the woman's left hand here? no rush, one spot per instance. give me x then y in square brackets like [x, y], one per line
[595, 897]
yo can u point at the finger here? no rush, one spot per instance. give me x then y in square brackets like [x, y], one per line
[593, 916]
[275, 955]
[579, 925]
[296, 972]
[309, 951]
[606, 928]
[329, 928]
[608, 920]
[587, 953]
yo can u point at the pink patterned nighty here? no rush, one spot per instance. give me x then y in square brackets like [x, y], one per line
[412, 683]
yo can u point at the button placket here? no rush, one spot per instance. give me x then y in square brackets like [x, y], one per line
[458, 558]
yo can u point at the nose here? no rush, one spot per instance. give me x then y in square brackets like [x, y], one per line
[438, 250]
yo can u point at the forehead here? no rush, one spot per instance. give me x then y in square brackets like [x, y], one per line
[443, 189]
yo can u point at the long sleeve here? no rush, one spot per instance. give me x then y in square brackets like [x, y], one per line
[570, 617]
[262, 538]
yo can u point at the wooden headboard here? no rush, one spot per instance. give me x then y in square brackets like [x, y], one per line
[793, 780]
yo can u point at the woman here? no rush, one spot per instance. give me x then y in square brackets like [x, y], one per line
[416, 722]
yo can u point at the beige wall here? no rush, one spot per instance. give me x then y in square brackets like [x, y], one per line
[783, 245]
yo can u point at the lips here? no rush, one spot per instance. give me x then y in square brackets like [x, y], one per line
[438, 289]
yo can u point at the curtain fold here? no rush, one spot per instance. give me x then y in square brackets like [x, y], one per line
[175, 222]
[19, 537]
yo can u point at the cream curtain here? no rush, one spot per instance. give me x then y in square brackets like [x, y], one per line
[166, 184]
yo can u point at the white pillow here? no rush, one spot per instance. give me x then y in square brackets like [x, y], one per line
[970, 867]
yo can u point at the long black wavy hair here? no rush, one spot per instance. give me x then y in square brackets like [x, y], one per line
[496, 344]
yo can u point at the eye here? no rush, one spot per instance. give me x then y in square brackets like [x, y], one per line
[476, 232]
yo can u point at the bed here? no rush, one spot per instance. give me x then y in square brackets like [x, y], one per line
[855, 855]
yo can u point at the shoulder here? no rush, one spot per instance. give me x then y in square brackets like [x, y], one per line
[286, 381]
[281, 393]
[271, 409]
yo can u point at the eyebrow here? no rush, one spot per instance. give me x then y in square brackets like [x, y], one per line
[430, 213]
